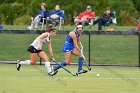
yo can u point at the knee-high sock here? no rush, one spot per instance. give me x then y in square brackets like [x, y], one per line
[58, 66]
[47, 65]
[80, 63]
[27, 62]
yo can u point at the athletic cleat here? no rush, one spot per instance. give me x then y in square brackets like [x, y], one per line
[30, 28]
[55, 72]
[18, 65]
[52, 73]
[82, 71]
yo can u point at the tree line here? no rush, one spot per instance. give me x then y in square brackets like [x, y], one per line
[19, 12]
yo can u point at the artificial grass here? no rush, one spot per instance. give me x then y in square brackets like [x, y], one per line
[34, 79]
[108, 49]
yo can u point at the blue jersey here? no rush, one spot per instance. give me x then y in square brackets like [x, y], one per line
[69, 44]
[70, 40]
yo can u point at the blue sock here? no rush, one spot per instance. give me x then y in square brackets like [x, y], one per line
[80, 63]
[58, 66]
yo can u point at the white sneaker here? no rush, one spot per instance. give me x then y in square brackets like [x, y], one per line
[54, 72]
[90, 23]
[30, 28]
[82, 71]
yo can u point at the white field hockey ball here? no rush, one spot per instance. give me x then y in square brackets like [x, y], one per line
[98, 75]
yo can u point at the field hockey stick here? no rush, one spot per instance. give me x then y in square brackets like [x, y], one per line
[84, 57]
[74, 74]
[81, 47]
[89, 68]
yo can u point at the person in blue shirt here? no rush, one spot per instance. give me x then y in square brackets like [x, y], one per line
[71, 46]
[55, 15]
[43, 13]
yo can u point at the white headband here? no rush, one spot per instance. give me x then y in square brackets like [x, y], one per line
[78, 26]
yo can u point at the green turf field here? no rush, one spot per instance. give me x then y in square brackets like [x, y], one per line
[34, 79]
[105, 49]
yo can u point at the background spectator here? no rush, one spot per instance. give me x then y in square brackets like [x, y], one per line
[138, 24]
[105, 19]
[85, 17]
[55, 16]
[43, 13]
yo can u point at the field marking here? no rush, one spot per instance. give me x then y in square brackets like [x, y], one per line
[90, 72]
[70, 78]
[106, 73]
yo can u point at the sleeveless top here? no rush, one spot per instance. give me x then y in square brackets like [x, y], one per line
[69, 40]
[42, 41]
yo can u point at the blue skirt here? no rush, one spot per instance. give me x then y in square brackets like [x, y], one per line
[67, 47]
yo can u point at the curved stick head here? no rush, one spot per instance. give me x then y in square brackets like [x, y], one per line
[76, 74]
[89, 69]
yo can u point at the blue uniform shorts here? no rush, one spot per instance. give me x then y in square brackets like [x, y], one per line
[67, 47]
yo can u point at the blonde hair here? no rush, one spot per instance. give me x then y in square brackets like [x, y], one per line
[44, 4]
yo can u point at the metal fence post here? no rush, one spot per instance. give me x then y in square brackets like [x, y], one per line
[139, 48]
[89, 47]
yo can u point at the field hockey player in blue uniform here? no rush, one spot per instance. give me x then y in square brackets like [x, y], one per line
[71, 46]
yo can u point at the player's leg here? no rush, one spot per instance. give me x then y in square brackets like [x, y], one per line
[44, 56]
[66, 62]
[33, 57]
[80, 61]
[67, 48]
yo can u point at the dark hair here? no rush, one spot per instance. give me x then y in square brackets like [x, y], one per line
[50, 28]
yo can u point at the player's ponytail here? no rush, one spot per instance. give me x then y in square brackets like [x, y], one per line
[50, 28]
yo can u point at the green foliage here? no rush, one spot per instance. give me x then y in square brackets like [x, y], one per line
[18, 8]
[7, 1]
[1, 1]
[7, 13]
[125, 11]
[11, 9]
[126, 18]
[33, 7]
[137, 5]
[23, 20]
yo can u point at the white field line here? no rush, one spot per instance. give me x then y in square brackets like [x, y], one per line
[66, 78]
[33, 69]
